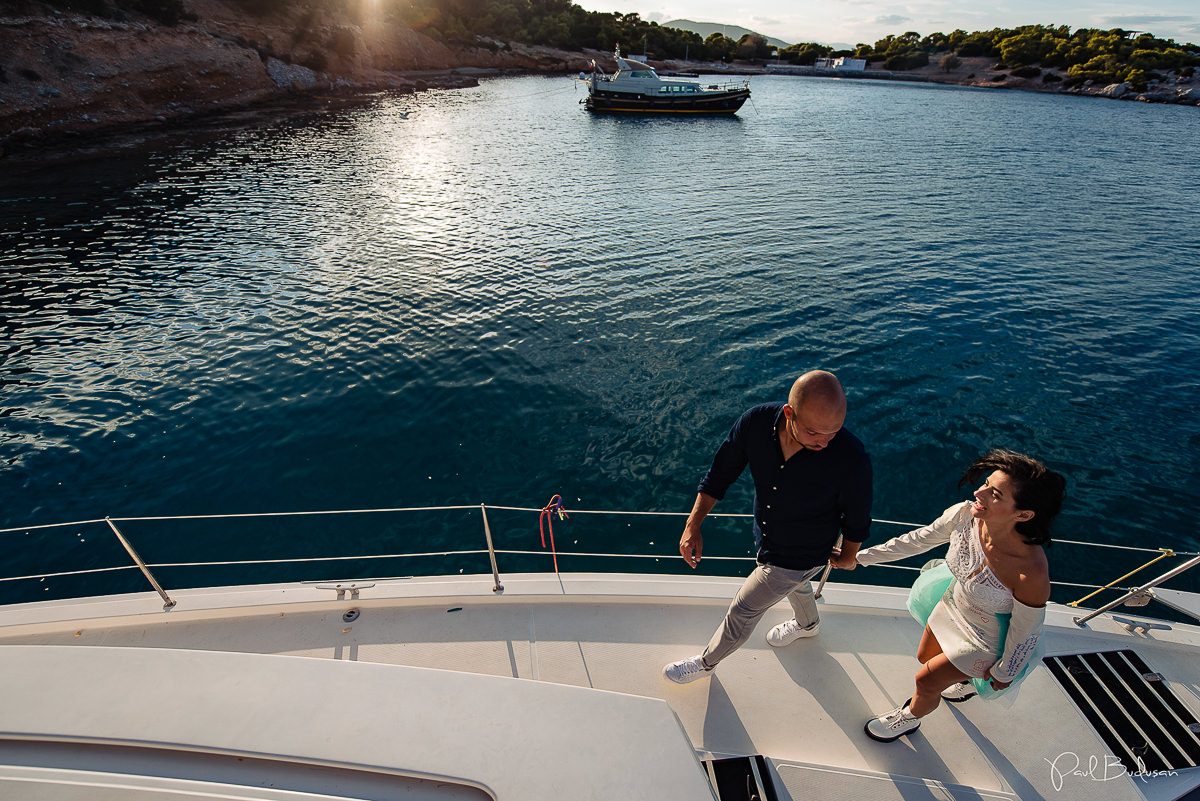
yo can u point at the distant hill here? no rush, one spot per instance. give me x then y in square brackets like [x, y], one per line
[707, 29]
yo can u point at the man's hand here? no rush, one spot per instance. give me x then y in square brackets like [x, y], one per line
[691, 544]
[843, 559]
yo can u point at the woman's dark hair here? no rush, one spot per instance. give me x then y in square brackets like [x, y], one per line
[1036, 488]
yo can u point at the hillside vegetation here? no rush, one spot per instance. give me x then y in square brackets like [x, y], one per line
[706, 29]
[1087, 54]
[559, 24]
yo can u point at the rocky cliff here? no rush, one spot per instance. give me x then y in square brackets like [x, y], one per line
[63, 74]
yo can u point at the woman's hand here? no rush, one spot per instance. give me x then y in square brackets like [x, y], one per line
[997, 684]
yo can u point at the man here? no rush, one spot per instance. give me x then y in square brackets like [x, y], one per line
[812, 481]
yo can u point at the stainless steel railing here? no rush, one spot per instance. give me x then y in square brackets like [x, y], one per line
[1138, 591]
[167, 601]
[492, 551]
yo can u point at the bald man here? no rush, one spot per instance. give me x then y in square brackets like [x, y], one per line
[812, 482]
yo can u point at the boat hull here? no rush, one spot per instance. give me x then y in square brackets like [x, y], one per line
[452, 687]
[727, 102]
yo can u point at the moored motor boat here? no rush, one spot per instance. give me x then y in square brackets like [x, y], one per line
[637, 88]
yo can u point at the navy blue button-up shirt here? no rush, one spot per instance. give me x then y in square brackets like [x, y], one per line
[803, 503]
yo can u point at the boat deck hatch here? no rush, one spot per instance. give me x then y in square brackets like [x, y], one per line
[741, 778]
[1132, 709]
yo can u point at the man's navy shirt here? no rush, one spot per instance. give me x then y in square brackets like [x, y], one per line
[803, 503]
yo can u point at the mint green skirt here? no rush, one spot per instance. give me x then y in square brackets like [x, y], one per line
[927, 592]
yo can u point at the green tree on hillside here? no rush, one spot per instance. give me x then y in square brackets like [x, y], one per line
[1085, 54]
[949, 62]
[1027, 45]
[720, 47]
[753, 46]
[804, 53]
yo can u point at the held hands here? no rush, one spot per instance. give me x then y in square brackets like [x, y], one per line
[691, 544]
[843, 561]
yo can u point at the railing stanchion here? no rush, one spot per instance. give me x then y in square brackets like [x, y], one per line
[825, 575]
[1079, 621]
[168, 602]
[487, 532]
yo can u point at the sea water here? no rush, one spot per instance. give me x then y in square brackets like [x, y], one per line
[491, 296]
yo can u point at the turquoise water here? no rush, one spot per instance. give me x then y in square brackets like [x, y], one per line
[501, 297]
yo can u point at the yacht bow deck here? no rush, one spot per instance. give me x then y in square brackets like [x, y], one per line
[803, 706]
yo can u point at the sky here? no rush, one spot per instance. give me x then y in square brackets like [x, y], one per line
[848, 22]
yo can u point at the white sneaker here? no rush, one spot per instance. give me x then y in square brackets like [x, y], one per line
[685, 671]
[957, 693]
[789, 631]
[893, 725]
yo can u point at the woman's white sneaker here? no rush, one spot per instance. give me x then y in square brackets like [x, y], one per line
[893, 725]
[789, 631]
[957, 693]
[685, 671]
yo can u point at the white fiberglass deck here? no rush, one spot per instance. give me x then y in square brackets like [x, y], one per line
[802, 706]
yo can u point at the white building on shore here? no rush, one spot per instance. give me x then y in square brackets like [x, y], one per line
[841, 63]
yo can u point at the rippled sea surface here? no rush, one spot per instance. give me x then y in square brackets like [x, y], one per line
[489, 295]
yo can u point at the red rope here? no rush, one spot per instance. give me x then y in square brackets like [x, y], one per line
[553, 507]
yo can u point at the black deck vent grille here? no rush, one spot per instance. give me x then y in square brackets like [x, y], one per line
[1130, 706]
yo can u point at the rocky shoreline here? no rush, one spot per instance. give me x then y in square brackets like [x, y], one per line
[985, 73]
[68, 78]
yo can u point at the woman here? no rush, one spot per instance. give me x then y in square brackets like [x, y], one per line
[999, 567]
